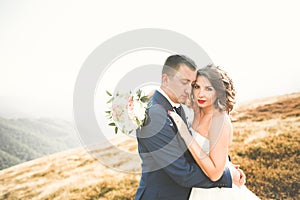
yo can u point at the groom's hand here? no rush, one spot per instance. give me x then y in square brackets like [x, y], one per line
[238, 176]
[242, 177]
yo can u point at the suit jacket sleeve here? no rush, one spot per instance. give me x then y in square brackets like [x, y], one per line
[159, 136]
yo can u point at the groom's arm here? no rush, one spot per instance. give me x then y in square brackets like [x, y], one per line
[167, 148]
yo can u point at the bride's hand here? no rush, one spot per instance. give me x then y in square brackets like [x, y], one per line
[181, 126]
[196, 119]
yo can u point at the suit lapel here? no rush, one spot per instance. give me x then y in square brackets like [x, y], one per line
[158, 98]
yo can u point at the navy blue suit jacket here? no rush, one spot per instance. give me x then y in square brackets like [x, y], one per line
[168, 169]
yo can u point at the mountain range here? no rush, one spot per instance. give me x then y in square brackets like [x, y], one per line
[24, 139]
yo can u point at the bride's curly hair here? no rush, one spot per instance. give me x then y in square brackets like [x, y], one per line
[223, 85]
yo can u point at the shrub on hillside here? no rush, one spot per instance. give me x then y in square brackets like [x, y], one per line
[272, 166]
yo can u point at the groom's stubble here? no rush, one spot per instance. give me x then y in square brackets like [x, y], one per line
[178, 87]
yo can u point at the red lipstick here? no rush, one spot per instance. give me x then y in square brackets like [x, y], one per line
[201, 101]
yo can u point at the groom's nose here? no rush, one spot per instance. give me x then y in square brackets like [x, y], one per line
[188, 89]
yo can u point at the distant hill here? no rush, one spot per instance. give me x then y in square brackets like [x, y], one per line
[267, 150]
[25, 139]
[267, 108]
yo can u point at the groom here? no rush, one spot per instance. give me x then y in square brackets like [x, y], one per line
[168, 169]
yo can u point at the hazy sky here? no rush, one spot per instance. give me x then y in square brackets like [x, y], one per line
[43, 44]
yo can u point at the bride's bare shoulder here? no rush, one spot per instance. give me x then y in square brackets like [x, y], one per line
[223, 120]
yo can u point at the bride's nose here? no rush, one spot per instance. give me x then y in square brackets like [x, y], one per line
[200, 93]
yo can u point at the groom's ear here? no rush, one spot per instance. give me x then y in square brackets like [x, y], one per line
[164, 79]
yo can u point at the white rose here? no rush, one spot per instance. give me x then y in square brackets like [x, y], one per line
[139, 110]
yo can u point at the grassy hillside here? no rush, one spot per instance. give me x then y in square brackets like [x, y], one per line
[267, 150]
[266, 144]
[72, 174]
[26, 139]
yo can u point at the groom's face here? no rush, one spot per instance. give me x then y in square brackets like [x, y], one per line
[179, 85]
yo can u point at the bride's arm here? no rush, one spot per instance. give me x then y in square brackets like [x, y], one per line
[219, 137]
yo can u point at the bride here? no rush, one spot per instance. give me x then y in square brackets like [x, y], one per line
[211, 128]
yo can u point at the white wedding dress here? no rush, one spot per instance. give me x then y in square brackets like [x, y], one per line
[233, 193]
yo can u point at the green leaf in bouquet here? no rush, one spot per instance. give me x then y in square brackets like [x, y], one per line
[139, 93]
[109, 94]
[116, 130]
[112, 124]
[144, 99]
[109, 101]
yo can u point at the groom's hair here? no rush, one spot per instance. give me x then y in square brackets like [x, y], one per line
[173, 63]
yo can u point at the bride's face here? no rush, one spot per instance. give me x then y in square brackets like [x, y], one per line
[204, 93]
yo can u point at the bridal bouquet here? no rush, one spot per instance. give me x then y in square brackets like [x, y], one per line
[127, 111]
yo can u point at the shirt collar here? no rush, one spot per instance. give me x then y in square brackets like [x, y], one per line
[176, 105]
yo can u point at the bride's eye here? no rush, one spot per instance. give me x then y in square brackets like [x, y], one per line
[209, 88]
[196, 86]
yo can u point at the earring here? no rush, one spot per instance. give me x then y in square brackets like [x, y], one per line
[219, 104]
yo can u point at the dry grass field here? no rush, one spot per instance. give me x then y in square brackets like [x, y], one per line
[266, 145]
